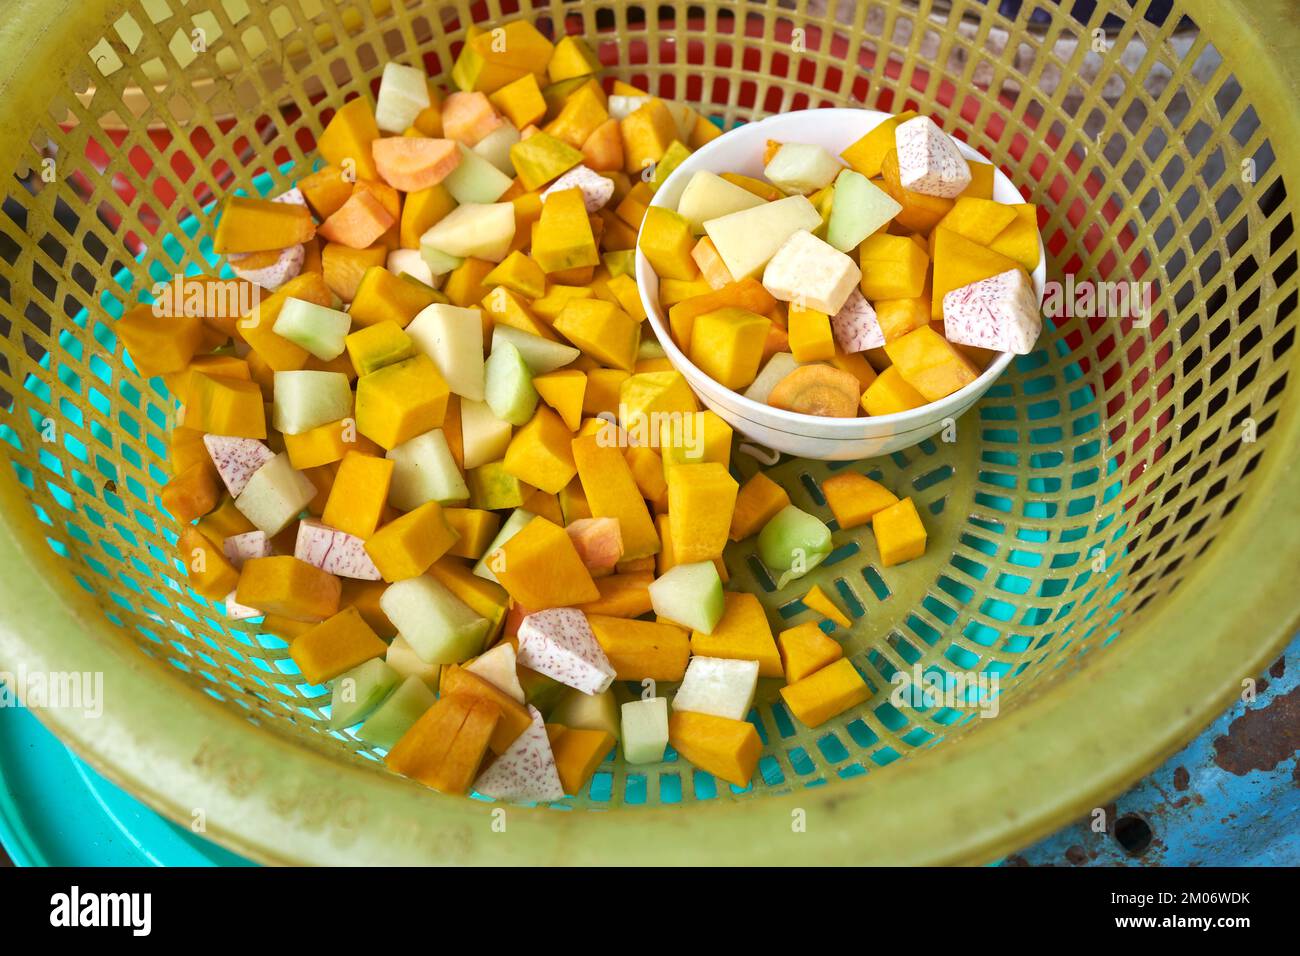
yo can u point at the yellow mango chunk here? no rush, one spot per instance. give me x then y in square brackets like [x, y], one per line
[572, 57]
[806, 649]
[602, 330]
[564, 390]
[384, 297]
[633, 207]
[673, 291]
[289, 588]
[900, 535]
[853, 498]
[545, 504]
[668, 559]
[406, 546]
[763, 190]
[757, 502]
[868, 153]
[343, 267]
[1019, 240]
[701, 499]
[741, 634]
[647, 134]
[521, 101]
[930, 363]
[376, 346]
[667, 242]
[817, 600]
[464, 286]
[893, 267]
[364, 596]
[979, 220]
[897, 317]
[981, 180]
[222, 366]
[445, 747]
[694, 439]
[826, 692]
[476, 529]
[604, 386]
[920, 211]
[401, 401]
[541, 568]
[320, 445]
[855, 364]
[206, 566]
[485, 598]
[728, 749]
[959, 262]
[648, 473]
[326, 190]
[810, 335]
[564, 239]
[347, 138]
[422, 209]
[540, 452]
[491, 59]
[623, 595]
[578, 752]
[255, 225]
[646, 396]
[641, 650]
[359, 493]
[520, 274]
[747, 294]
[582, 114]
[727, 345]
[185, 447]
[225, 406]
[612, 492]
[159, 344]
[223, 522]
[889, 393]
[335, 646]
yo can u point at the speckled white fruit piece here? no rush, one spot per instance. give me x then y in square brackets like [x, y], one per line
[713, 685]
[597, 190]
[288, 265]
[999, 313]
[855, 325]
[236, 459]
[334, 551]
[559, 643]
[526, 772]
[240, 612]
[239, 548]
[807, 270]
[929, 162]
[498, 668]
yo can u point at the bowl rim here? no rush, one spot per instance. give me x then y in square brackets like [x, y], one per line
[763, 414]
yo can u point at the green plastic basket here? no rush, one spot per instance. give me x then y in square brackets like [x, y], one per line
[1111, 532]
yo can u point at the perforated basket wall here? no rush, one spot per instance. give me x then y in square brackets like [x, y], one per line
[1067, 517]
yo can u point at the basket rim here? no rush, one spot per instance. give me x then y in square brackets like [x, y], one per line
[1045, 762]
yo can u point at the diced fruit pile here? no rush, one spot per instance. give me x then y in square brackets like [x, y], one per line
[867, 284]
[445, 459]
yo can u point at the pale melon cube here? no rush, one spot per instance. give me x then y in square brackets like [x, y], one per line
[275, 495]
[473, 230]
[708, 196]
[495, 147]
[402, 658]
[453, 338]
[306, 399]
[499, 668]
[403, 94]
[645, 730]
[858, 208]
[424, 470]
[541, 355]
[475, 180]
[319, 330]
[410, 262]
[436, 623]
[802, 168]
[812, 273]
[748, 239]
[713, 685]
[778, 367]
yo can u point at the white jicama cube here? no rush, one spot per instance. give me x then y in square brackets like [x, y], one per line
[929, 162]
[239, 548]
[645, 730]
[439, 626]
[240, 612]
[801, 168]
[499, 668]
[334, 551]
[424, 470]
[320, 330]
[526, 772]
[453, 338]
[811, 272]
[858, 208]
[717, 686]
[708, 196]
[560, 644]
[778, 367]
[597, 190]
[473, 230]
[307, 398]
[746, 240]
[275, 495]
[236, 459]
[410, 262]
[999, 313]
[403, 94]
[855, 325]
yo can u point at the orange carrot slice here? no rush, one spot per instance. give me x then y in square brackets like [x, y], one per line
[411, 163]
[817, 390]
[468, 117]
[358, 222]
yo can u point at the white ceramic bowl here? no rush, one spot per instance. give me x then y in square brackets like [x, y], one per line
[809, 436]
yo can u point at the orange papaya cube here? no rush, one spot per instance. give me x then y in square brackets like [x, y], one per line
[401, 401]
[514, 718]
[521, 101]
[930, 363]
[564, 239]
[345, 141]
[889, 394]
[255, 225]
[159, 344]
[897, 317]
[818, 600]
[406, 546]
[648, 473]
[747, 294]
[572, 58]
[335, 646]
[321, 445]
[893, 267]
[666, 241]
[981, 180]
[806, 649]
[224, 522]
[465, 284]
[492, 58]
[641, 650]
[541, 568]
[224, 366]
[728, 749]
[185, 447]
[384, 297]
[602, 330]
[603, 389]
[632, 208]
[1019, 240]
[540, 453]
[603, 149]
[508, 308]
[900, 535]
[358, 223]
[359, 493]
[476, 529]
[701, 499]
[325, 190]
[581, 115]
[578, 752]
[284, 586]
[209, 571]
[612, 492]
[373, 347]
[920, 212]
[226, 406]
[826, 692]
[563, 390]
[364, 596]
[647, 133]
[422, 210]
[622, 595]
[192, 493]
[420, 753]
[741, 634]
[810, 335]
[343, 267]
[757, 502]
[668, 556]
[866, 155]
[979, 220]
[465, 756]
[854, 498]
[727, 345]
